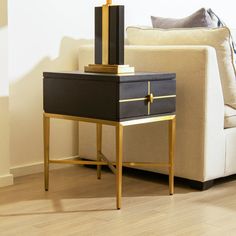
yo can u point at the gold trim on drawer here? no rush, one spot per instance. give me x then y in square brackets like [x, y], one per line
[132, 100]
[146, 98]
[149, 97]
[167, 96]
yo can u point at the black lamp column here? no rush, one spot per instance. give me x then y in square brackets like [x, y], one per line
[109, 40]
[109, 50]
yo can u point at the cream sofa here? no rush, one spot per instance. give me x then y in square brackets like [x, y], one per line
[205, 150]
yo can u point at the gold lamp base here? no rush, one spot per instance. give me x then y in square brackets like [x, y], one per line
[109, 69]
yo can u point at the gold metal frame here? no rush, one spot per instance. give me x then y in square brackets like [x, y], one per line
[116, 166]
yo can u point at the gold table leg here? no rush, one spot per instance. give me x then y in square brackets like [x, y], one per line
[119, 149]
[172, 124]
[46, 129]
[99, 149]
[119, 154]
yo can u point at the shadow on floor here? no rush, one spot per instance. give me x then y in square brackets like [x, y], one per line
[80, 186]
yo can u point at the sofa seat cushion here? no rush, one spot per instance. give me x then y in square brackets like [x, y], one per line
[230, 117]
[218, 38]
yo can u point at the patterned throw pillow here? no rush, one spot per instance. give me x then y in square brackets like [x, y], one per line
[220, 23]
[200, 18]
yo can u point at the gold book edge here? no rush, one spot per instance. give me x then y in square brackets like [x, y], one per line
[109, 69]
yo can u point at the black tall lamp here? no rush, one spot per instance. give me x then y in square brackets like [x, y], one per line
[109, 41]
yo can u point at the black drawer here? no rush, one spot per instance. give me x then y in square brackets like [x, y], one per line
[163, 88]
[134, 99]
[109, 97]
[133, 90]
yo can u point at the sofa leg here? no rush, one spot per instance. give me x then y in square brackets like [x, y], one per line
[201, 185]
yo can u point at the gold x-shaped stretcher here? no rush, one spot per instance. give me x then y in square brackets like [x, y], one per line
[116, 167]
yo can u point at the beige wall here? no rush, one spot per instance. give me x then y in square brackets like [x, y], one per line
[39, 44]
[26, 110]
[3, 48]
[4, 136]
[5, 177]
[45, 36]
[3, 12]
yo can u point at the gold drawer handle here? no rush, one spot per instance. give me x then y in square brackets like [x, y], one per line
[150, 98]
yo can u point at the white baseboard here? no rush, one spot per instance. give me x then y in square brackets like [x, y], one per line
[36, 167]
[6, 180]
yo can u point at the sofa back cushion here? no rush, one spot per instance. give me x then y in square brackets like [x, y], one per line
[219, 38]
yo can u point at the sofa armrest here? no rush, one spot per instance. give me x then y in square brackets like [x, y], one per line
[200, 150]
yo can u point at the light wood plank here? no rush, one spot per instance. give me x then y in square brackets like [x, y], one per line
[79, 204]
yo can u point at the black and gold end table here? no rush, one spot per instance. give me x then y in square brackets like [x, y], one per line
[110, 99]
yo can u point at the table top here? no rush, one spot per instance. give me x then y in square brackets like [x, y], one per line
[135, 77]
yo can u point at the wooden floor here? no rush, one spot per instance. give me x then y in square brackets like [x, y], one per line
[79, 204]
